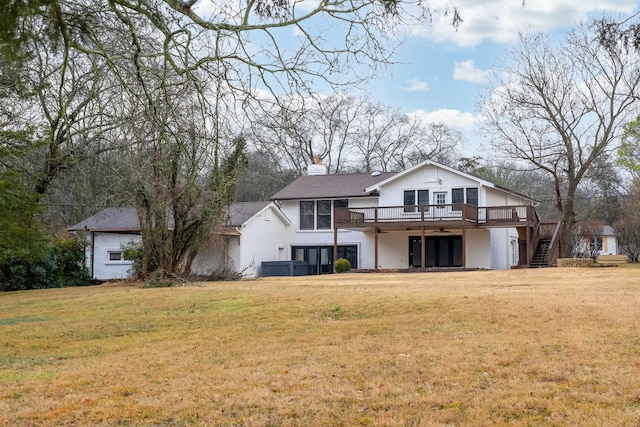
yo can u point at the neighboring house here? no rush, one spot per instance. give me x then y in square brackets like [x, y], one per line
[592, 238]
[429, 215]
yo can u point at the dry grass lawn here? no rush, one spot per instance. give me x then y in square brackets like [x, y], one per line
[522, 347]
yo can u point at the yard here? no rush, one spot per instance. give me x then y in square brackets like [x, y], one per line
[521, 347]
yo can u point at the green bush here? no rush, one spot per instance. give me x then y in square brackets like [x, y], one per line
[56, 264]
[132, 251]
[71, 261]
[342, 265]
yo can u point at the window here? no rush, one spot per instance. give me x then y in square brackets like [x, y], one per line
[306, 214]
[457, 198]
[115, 256]
[472, 196]
[317, 215]
[409, 200]
[324, 215]
[320, 258]
[341, 203]
[595, 244]
[423, 197]
[440, 198]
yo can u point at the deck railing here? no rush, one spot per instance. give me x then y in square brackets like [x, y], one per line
[432, 213]
[547, 229]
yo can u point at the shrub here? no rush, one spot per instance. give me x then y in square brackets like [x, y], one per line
[164, 279]
[56, 264]
[132, 251]
[342, 265]
[71, 261]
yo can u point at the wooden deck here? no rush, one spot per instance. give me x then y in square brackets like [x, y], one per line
[435, 216]
[532, 234]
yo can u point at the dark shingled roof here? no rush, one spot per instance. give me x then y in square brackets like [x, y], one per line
[330, 186]
[110, 219]
[241, 212]
[126, 219]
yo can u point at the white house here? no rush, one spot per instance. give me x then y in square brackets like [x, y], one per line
[229, 247]
[428, 216]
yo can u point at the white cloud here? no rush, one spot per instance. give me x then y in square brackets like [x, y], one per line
[416, 85]
[501, 20]
[455, 119]
[467, 71]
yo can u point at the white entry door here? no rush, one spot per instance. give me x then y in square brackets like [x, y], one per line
[439, 200]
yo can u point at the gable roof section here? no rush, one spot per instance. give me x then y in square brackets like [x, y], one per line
[340, 186]
[241, 212]
[420, 165]
[484, 183]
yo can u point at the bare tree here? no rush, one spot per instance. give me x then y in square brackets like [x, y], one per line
[155, 77]
[382, 137]
[182, 168]
[435, 141]
[295, 134]
[586, 239]
[352, 134]
[560, 108]
[244, 38]
[59, 104]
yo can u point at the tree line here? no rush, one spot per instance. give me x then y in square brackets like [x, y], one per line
[178, 111]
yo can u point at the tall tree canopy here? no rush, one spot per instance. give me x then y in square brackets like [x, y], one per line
[350, 134]
[562, 107]
[166, 84]
[241, 40]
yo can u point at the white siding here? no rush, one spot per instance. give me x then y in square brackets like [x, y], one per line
[102, 244]
[501, 198]
[263, 238]
[478, 253]
[212, 256]
[501, 248]
[393, 250]
[436, 180]
[609, 245]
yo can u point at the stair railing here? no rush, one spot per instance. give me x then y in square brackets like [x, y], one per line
[552, 253]
[534, 223]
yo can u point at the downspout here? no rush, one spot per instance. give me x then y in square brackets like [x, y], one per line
[239, 230]
[93, 252]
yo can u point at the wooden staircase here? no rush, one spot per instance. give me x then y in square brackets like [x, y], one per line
[540, 257]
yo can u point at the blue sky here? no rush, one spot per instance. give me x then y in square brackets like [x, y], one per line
[440, 72]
